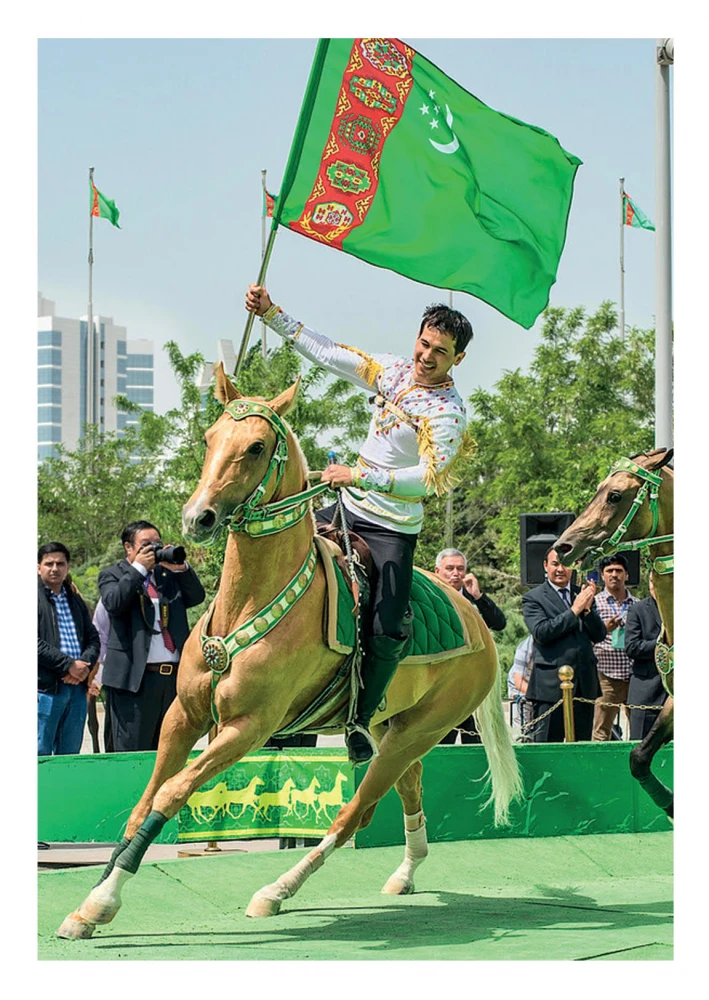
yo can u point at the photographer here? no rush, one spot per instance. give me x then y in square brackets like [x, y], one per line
[146, 596]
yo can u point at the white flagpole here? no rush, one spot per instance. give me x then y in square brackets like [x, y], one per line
[89, 387]
[663, 247]
[622, 261]
[263, 253]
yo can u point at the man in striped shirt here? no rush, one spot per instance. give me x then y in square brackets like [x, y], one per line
[67, 647]
[614, 665]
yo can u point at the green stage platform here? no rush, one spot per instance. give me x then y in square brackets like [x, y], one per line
[557, 898]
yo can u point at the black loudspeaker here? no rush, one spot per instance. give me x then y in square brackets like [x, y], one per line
[537, 533]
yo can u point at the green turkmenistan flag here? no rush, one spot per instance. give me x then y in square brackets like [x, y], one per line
[395, 163]
[634, 216]
[101, 207]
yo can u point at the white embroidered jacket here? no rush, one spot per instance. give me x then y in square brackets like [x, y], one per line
[405, 457]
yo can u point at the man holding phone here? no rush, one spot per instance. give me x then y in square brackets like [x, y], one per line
[614, 665]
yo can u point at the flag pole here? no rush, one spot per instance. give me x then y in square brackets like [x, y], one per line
[259, 281]
[622, 261]
[89, 387]
[449, 498]
[664, 58]
[263, 251]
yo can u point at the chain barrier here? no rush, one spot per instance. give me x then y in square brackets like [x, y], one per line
[529, 726]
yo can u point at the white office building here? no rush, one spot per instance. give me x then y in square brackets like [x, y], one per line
[79, 376]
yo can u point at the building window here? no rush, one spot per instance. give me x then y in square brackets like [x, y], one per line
[120, 347]
[49, 338]
[49, 356]
[49, 376]
[138, 377]
[140, 361]
[144, 396]
[48, 394]
[49, 432]
[49, 414]
[46, 451]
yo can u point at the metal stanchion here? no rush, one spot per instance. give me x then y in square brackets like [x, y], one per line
[566, 676]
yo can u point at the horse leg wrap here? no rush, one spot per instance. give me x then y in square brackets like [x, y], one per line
[104, 901]
[130, 857]
[267, 901]
[402, 881]
[119, 848]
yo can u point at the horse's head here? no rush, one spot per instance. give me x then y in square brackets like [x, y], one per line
[241, 445]
[611, 505]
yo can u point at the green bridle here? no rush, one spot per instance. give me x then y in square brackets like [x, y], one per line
[252, 517]
[650, 490]
[255, 518]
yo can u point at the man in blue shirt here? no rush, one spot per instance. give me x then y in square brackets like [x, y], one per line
[67, 647]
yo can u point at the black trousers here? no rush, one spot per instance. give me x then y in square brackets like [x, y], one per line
[551, 729]
[393, 557]
[136, 718]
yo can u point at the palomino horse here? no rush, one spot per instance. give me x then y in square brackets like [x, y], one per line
[634, 510]
[253, 463]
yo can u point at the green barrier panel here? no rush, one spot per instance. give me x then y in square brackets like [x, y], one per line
[570, 789]
[270, 795]
[88, 798]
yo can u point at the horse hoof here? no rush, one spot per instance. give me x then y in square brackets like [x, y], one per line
[75, 927]
[263, 906]
[398, 887]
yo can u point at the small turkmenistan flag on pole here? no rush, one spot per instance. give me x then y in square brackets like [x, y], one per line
[634, 216]
[101, 207]
[269, 201]
[395, 163]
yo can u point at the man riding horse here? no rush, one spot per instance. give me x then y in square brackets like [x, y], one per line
[412, 449]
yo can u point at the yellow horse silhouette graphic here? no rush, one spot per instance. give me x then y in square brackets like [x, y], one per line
[332, 799]
[274, 800]
[212, 799]
[307, 796]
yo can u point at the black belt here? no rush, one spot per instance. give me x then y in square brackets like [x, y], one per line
[161, 668]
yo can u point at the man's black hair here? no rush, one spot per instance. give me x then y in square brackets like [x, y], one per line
[614, 560]
[50, 547]
[132, 529]
[449, 321]
[552, 548]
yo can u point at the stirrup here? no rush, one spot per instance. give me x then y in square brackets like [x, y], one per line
[360, 745]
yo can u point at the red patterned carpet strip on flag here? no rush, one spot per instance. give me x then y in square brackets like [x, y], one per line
[373, 93]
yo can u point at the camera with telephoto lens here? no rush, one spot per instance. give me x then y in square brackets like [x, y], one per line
[170, 553]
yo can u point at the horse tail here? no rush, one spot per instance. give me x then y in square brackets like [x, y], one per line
[503, 770]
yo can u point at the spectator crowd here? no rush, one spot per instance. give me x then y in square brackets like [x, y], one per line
[128, 652]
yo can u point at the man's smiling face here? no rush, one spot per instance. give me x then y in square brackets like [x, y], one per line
[434, 356]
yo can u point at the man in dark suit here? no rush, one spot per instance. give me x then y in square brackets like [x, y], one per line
[564, 626]
[642, 629]
[146, 604]
[451, 566]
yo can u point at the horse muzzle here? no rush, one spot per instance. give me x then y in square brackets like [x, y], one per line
[200, 524]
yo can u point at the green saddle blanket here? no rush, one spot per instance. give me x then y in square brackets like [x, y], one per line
[439, 632]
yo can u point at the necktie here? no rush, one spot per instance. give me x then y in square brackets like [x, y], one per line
[565, 595]
[152, 593]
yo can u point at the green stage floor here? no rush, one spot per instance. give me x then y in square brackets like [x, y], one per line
[588, 897]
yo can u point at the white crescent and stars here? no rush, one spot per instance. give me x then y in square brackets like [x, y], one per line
[442, 147]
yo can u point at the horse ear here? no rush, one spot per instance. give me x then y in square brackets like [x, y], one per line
[665, 459]
[224, 390]
[282, 404]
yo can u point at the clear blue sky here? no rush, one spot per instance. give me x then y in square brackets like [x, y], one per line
[178, 131]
